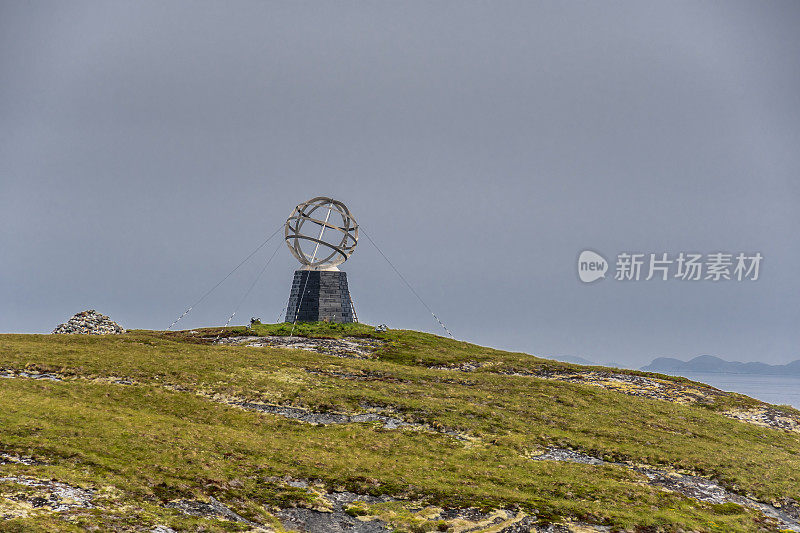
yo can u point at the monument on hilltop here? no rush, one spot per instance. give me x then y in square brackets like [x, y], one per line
[322, 234]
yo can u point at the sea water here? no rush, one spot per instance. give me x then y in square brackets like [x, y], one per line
[782, 390]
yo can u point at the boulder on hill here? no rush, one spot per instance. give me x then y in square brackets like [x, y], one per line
[89, 323]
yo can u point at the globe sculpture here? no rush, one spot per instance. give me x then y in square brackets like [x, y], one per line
[321, 234]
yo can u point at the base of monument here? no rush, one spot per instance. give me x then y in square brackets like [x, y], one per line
[320, 296]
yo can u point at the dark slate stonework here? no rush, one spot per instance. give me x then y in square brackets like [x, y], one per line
[325, 297]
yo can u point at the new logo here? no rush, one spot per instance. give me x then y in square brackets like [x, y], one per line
[591, 266]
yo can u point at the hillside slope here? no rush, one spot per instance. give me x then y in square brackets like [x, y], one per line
[347, 429]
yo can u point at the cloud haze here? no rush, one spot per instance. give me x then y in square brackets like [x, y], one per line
[146, 147]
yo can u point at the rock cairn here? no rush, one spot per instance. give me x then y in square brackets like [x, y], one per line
[89, 323]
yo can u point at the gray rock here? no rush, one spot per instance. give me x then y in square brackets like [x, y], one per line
[89, 323]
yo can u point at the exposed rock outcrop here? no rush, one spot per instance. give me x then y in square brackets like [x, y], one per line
[89, 323]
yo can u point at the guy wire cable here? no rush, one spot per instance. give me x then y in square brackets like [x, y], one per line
[236, 310]
[225, 278]
[284, 310]
[297, 310]
[361, 228]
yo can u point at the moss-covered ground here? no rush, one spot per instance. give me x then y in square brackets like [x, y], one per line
[165, 433]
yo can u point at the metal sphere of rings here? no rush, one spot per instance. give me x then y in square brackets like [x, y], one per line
[321, 233]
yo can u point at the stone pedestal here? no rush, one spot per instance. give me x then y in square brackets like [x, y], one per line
[320, 295]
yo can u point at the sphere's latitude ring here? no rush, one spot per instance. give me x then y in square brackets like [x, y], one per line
[320, 223]
[312, 239]
[302, 214]
[302, 219]
[342, 244]
[302, 257]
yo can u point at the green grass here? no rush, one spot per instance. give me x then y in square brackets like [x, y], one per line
[146, 444]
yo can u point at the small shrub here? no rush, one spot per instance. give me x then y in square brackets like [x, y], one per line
[727, 508]
[356, 510]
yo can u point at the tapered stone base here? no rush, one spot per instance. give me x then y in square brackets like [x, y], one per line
[319, 295]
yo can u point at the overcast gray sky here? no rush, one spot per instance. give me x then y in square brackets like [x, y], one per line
[147, 147]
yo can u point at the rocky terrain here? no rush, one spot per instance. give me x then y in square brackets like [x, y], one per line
[344, 428]
[89, 323]
[670, 390]
[344, 347]
[785, 513]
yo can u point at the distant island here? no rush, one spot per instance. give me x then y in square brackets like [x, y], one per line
[709, 363]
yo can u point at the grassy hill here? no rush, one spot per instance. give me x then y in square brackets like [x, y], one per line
[395, 431]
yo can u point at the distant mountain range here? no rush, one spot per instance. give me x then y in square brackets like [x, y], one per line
[709, 363]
